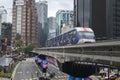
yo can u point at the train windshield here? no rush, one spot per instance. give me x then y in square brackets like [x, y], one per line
[86, 34]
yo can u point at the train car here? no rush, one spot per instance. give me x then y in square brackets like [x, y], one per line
[84, 35]
[74, 36]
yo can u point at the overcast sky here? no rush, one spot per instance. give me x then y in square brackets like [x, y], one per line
[53, 6]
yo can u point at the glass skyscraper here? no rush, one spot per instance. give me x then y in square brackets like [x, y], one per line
[63, 16]
[6, 32]
[52, 27]
[42, 28]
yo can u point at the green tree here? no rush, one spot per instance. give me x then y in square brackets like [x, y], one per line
[29, 48]
[19, 43]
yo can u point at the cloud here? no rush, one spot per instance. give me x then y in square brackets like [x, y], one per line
[8, 6]
[6, 3]
[55, 5]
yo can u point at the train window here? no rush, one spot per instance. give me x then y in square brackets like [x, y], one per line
[74, 32]
[86, 34]
[69, 35]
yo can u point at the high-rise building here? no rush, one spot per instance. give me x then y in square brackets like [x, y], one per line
[52, 27]
[6, 32]
[82, 13]
[3, 17]
[24, 21]
[101, 15]
[42, 12]
[63, 16]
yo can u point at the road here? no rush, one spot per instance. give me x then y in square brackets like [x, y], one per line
[58, 74]
[27, 70]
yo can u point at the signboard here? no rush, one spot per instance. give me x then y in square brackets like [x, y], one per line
[70, 78]
[44, 64]
[39, 60]
[19, 2]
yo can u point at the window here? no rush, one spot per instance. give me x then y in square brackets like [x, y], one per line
[86, 34]
[19, 13]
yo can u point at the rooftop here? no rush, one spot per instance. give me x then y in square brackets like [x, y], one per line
[5, 61]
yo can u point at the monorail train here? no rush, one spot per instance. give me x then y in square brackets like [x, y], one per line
[75, 36]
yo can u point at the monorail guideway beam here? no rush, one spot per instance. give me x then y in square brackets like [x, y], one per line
[78, 68]
[75, 65]
[106, 54]
[103, 57]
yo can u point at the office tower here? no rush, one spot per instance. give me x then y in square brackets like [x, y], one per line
[24, 21]
[6, 32]
[101, 15]
[81, 13]
[63, 16]
[3, 17]
[42, 12]
[52, 27]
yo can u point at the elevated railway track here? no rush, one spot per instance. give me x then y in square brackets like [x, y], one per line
[105, 52]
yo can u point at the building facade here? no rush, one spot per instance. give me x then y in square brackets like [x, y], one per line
[63, 16]
[103, 19]
[67, 27]
[24, 21]
[3, 17]
[6, 32]
[52, 27]
[42, 12]
[82, 13]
